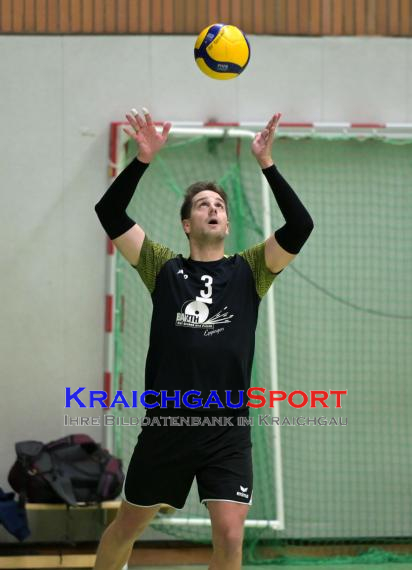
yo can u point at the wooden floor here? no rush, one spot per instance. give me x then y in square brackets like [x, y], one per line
[167, 556]
[178, 555]
[391, 566]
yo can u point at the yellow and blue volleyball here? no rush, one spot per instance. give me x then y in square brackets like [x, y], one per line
[222, 51]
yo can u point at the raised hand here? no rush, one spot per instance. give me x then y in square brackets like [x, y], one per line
[144, 132]
[262, 143]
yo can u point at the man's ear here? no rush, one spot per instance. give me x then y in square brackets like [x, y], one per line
[186, 226]
[227, 228]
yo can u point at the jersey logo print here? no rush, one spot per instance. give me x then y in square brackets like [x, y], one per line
[195, 314]
[181, 272]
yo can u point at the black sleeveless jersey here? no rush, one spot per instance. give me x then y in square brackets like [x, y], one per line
[202, 334]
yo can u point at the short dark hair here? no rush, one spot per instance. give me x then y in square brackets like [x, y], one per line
[194, 189]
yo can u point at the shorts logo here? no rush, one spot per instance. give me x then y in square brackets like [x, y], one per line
[242, 492]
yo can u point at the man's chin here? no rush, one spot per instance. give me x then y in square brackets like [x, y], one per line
[212, 237]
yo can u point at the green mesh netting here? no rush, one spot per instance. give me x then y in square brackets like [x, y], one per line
[343, 321]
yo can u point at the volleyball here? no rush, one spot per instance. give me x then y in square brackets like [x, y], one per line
[222, 51]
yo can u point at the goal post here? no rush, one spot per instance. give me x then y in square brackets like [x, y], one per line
[183, 135]
[339, 317]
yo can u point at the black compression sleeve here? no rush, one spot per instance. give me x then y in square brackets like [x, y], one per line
[299, 223]
[111, 209]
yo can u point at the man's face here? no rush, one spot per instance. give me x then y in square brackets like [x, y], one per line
[208, 217]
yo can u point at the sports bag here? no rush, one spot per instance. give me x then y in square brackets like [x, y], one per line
[68, 470]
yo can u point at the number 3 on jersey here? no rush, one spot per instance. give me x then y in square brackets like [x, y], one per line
[206, 293]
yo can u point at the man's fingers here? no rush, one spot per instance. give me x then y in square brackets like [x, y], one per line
[137, 123]
[130, 132]
[133, 123]
[166, 129]
[138, 119]
[147, 116]
[132, 120]
[134, 132]
[273, 126]
[274, 121]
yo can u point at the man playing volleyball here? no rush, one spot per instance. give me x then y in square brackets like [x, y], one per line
[205, 310]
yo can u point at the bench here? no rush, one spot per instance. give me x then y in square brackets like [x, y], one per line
[55, 557]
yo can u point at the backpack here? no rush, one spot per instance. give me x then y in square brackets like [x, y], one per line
[68, 470]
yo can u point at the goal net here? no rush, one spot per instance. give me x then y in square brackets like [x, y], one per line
[339, 317]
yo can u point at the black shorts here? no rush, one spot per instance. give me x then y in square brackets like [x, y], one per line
[166, 459]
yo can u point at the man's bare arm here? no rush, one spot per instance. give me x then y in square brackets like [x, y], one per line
[276, 257]
[130, 243]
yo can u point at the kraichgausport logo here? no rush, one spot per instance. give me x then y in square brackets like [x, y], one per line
[195, 399]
